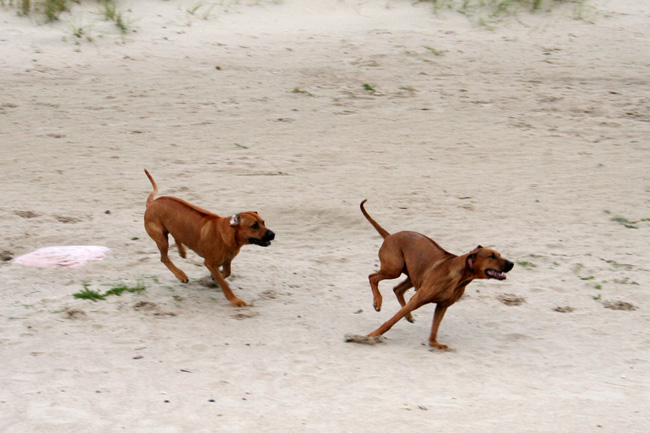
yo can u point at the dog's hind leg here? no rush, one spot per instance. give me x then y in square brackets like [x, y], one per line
[391, 268]
[181, 248]
[399, 294]
[160, 236]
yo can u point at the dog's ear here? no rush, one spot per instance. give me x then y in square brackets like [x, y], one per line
[235, 220]
[472, 257]
[469, 261]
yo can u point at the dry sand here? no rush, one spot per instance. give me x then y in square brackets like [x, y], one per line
[530, 138]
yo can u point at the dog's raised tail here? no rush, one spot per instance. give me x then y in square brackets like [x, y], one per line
[384, 234]
[155, 188]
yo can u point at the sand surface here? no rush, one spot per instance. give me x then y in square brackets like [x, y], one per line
[530, 137]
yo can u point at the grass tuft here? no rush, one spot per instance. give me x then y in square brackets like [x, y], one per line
[87, 293]
[95, 296]
[111, 14]
[301, 91]
[53, 9]
[118, 290]
[26, 7]
[526, 265]
[625, 222]
[494, 8]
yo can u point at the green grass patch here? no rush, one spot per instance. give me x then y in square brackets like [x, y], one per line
[435, 51]
[112, 14]
[526, 265]
[624, 222]
[301, 91]
[94, 295]
[625, 280]
[501, 6]
[87, 293]
[487, 12]
[51, 9]
[121, 288]
[620, 220]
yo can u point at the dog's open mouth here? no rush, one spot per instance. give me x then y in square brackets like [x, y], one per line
[493, 273]
[260, 242]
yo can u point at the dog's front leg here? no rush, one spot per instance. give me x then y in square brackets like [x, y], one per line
[437, 318]
[227, 291]
[414, 303]
[225, 269]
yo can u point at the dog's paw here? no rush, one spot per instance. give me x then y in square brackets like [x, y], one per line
[237, 303]
[438, 346]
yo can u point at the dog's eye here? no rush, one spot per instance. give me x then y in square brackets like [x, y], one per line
[255, 226]
[493, 256]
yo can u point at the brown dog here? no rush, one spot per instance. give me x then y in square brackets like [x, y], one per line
[216, 239]
[437, 275]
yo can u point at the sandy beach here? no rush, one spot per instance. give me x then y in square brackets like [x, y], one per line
[527, 134]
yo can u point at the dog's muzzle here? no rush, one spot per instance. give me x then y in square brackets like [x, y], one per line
[265, 241]
[499, 275]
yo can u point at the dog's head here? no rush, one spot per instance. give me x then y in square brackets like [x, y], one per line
[487, 263]
[251, 230]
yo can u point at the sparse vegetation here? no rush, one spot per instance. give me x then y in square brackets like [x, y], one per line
[78, 31]
[94, 295]
[436, 51]
[526, 265]
[111, 13]
[26, 6]
[53, 9]
[484, 12]
[194, 8]
[625, 280]
[625, 222]
[501, 6]
[90, 294]
[50, 8]
[121, 288]
[301, 91]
